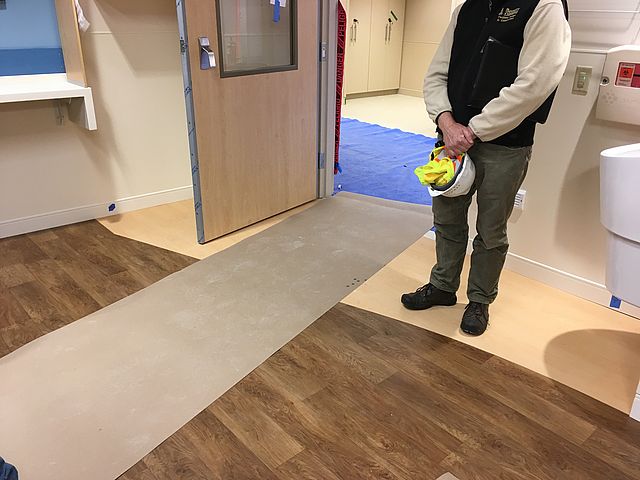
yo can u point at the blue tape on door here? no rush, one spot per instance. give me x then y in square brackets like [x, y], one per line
[615, 302]
[276, 11]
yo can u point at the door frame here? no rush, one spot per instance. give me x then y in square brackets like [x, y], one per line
[326, 111]
[191, 118]
[328, 81]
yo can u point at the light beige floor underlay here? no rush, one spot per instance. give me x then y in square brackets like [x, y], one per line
[574, 341]
[403, 112]
[173, 227]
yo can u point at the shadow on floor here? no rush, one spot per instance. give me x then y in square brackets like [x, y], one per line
[587, 346]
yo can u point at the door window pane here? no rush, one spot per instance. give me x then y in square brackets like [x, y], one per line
[256, 36]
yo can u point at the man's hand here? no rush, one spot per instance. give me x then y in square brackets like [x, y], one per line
[457, 138]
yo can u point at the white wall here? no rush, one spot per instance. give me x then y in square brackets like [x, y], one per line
[140, 149]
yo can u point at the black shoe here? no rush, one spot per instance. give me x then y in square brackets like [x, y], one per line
[475, 319]
[427, 297]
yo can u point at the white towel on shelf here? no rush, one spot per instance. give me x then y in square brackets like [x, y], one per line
[82, 20]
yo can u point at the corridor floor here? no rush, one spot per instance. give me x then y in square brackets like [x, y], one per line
[355, 396]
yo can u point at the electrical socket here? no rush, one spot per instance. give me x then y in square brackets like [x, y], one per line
[520, 200]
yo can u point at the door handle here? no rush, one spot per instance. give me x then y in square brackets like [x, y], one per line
[207, 57]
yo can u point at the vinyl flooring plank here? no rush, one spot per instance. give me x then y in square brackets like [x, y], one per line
[521, 443]
[11, 310]
[14, 275]
[19, 250]
[41, 306]
[4, 348]
[223, 453]
[574, 402]
[42, 236]
[64, 290]
[16, 336]
[138, 472]
[327, 446]
[350, 354]
[255, 429]
[464, 365]
[391, 448]
[615, 450]
[99, 286]
[469, 462]
[177, 458]
[305, 466]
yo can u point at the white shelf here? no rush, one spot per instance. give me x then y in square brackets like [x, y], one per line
[27, 88]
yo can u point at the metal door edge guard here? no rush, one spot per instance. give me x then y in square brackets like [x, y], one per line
[191, 120]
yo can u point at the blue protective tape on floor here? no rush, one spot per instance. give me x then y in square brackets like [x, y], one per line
[31, 61]
[615, 302]
[379, 162]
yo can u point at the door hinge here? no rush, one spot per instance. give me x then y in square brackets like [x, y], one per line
[322, 160]
[183, 46]
[324, 52]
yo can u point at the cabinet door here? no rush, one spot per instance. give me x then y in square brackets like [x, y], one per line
[357, 55]
[380, 17]
[394, 45]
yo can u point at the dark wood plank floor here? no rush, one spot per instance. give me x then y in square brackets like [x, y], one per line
[360, 396]
[54, 277]
[355, 396]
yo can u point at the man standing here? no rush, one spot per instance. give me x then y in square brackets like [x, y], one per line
[498, 136]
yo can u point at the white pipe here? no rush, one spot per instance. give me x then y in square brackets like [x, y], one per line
[589, 50]
[630, 12]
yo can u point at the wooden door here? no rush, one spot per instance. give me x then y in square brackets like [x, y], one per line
[256, 111]
[357, 55]
[393, 62]
[379, 45]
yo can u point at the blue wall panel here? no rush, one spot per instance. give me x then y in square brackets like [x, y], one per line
[31, 61]
[29, 38]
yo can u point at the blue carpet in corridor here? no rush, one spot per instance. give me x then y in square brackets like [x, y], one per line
[380, 161]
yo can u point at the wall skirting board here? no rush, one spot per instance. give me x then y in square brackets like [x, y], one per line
[411, 93]
[43, 221]
[565, 281]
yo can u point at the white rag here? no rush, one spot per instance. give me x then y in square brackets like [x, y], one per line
[82, 20]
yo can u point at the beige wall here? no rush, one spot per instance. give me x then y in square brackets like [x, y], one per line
[561, 226]
[426, 23]
[140, 149]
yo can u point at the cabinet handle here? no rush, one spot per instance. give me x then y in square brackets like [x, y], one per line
[386, 33]
[355, 36]
[390, 31]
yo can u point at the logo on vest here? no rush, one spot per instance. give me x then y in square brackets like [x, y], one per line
[507, 14]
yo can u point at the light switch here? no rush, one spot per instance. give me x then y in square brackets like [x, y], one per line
[581, 80]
